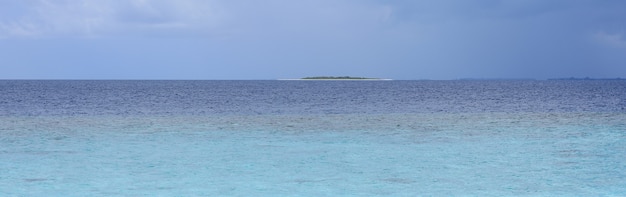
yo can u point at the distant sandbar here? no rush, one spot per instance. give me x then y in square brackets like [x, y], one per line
[336, 78]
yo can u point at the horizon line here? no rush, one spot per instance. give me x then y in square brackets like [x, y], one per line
[300, 79]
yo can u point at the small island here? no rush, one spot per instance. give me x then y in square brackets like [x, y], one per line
[587, 79]
[340, 78]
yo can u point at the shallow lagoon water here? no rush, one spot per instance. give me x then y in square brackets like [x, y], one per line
[367, 152]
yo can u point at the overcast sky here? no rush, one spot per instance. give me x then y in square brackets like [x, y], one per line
[270, 39]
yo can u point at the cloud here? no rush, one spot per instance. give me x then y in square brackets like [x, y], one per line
[302, 17]
[617, 40]
[44, 18]
[94, 18]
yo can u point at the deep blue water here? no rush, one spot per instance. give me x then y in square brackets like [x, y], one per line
[313, 138]
[34, 98]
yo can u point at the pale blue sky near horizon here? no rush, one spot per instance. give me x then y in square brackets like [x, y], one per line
[271, 39]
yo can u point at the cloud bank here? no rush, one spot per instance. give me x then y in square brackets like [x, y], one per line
[50, 18]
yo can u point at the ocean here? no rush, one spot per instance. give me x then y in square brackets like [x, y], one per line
[313, 138]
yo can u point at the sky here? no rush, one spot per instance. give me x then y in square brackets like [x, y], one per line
[274, 39]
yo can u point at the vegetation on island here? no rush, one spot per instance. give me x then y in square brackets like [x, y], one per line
[588, 78]
[337, 78]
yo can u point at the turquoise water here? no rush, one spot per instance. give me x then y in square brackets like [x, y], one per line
[490, 154]
[294, 138]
